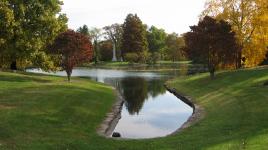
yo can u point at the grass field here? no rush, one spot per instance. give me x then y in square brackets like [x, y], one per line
[46, 112]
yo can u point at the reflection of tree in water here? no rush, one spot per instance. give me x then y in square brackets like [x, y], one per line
[156, 87]
[134, 91]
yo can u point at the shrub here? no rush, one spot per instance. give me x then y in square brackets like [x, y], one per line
[132, 57]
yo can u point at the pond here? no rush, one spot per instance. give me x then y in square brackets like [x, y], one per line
[149, 110]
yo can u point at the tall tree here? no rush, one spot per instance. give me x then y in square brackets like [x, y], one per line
[156, 39]
[6, 29]
[174, 45]
[74, 49]
[134, 37]
[213, 43]
[114, 33]
[84, 30]
[249, 19]
[31, 25]
[95, 35]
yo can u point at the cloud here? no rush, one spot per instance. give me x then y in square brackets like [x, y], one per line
[171, 15]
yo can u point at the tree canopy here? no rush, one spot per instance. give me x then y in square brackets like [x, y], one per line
[249, 19]
[134, 37]
[156, 39]
[213, 43]
[74, 49]
[27, 27]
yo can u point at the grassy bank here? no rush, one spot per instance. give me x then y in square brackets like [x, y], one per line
[45, 112]
[236, 105]
[160, 65]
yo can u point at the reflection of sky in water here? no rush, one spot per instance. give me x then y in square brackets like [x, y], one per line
[161, 113]
[159, 116]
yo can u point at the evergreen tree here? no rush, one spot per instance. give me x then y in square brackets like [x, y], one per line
[134, 37]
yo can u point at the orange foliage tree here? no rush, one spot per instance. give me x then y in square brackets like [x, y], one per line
[73, 48]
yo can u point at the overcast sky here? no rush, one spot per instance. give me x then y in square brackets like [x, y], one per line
[171, 15]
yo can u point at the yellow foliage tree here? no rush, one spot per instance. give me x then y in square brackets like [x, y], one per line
[249, 19]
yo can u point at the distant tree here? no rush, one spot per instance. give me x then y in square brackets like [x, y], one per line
[156, 39]
[213, 43]
[74, 49]
[84, 30]
[134, 37]
[174, 45]
[106, 50]
[26, 27]
[114, 33]
[95, 34]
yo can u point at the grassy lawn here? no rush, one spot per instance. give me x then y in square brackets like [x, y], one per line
[46, 112]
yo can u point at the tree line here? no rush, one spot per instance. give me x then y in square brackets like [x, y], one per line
[230, 34]
[134, 42]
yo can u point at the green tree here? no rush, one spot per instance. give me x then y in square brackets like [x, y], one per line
[114, 33]
[30, 26]
[84, 30]
[95, 35]
[156, 39]
[134, 37]
[213, 43]
[174, 45]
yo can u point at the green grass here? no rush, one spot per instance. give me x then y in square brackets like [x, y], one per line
[46, 112]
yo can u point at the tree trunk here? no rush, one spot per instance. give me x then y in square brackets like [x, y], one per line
[13, 65]
[212, 75]
[212, 72]
[69, 73]
[238, 59]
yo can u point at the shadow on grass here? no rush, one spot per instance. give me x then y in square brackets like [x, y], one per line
[21, 78]
[236, 110]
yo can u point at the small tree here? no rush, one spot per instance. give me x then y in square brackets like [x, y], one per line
[74, 49]
[106, 50]
[213, 43]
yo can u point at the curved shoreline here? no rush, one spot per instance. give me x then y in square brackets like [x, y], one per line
[108, 125]
[198, 111]
[112, 118]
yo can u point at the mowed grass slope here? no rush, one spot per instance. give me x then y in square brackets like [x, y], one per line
[45, 112]
[236, 105]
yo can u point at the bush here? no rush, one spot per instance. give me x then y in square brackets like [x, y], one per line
[153, 58]
[132, 57]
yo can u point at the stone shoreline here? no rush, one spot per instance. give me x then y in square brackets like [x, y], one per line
[198, 111]
[108, 125]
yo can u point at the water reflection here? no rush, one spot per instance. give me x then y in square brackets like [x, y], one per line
[135, 91]
[149, 110]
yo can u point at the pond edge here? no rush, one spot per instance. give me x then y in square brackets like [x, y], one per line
[198, 111]
[112, 118]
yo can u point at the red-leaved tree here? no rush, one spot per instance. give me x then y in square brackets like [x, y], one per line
[74, 49]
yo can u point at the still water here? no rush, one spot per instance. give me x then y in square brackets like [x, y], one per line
[149, 109]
